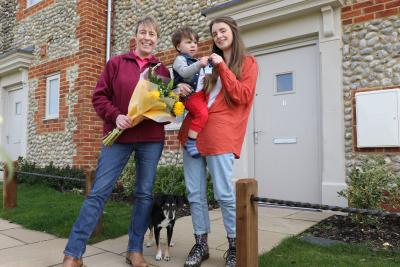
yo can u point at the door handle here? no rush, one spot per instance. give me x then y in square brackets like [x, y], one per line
[7, 139]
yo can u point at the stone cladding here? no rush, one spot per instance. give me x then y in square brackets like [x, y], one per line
[371, 61]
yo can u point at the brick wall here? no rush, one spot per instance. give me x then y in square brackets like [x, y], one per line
[91, 33]
[368, 10]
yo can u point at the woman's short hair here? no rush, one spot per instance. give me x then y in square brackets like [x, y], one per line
[148, 21]
[184, 32]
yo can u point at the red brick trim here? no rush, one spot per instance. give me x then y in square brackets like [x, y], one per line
[91, 33]
[23, 11]
[369, 10]
[41, 72]
[356, 149]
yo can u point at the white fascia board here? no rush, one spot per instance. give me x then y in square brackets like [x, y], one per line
[249, 13]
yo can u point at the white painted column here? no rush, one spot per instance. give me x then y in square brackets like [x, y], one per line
[333, 147]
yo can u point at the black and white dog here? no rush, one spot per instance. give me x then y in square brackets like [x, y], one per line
[163, 215]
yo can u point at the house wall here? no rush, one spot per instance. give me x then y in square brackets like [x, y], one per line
[69, 39]
[371, 61]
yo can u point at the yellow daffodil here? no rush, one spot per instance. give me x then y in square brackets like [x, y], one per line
[178, 108]
[173, 95]
[155, 94]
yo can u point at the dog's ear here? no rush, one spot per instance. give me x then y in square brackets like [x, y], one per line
[179, 201]
[158, 199]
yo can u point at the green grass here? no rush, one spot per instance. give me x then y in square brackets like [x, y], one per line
[295, 252]
[44, 209]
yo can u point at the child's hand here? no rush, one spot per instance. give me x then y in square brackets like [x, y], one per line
[203, 61]
[183, 89]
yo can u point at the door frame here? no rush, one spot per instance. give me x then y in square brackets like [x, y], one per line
[281, 47]
[14, 74]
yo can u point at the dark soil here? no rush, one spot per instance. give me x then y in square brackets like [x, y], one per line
[384, 236]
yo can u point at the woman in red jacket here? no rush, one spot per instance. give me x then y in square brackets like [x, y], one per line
[110, 100]
[230, 95]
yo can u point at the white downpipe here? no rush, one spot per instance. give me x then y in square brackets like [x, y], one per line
[109, 14]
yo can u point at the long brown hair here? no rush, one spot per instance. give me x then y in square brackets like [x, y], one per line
[237, 54]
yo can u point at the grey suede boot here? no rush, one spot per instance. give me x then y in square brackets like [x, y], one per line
[199, 252]
[230, 254]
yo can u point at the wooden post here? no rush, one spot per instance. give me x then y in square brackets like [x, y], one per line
[90, 176]
[10, 188]
[246, 223]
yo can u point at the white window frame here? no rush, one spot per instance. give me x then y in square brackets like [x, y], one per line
[51, 78]
[276, 84]
[30, 3]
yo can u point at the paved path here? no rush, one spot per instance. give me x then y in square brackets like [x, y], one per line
[20, 247]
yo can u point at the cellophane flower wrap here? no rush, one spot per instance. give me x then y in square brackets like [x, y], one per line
[154, 99]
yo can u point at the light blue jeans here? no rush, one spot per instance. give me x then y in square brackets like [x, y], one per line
[110, 165]
[221, 169]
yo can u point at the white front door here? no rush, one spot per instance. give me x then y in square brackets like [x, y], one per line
[287, 125]
[15, 123]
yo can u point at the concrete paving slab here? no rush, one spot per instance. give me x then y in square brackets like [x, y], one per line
[178, 256]
[314, 216]
[215, 214]
[117, 245]
[5, 224]
[285, 226]
[9, 242]
[274, 212]
[27, 236]
[106, 259]
[46, 253]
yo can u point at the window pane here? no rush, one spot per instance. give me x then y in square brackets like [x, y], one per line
[284, 82]
[32, 2]
[53, 97]
[18, 108]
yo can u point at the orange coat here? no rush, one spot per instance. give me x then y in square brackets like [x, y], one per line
[226, 126]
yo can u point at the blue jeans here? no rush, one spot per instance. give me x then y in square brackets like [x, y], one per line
[110, 165]
[221, 169]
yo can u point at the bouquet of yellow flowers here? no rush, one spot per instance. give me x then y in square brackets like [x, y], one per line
[152, 99]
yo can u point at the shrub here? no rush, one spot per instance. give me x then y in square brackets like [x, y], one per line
[56, 183]
[370, 186]
[170, 179]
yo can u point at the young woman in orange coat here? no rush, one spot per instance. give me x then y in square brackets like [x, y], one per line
[230, 93]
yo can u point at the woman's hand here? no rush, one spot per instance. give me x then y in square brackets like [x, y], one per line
[123, 122]
[216, 59]
[183, 89]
